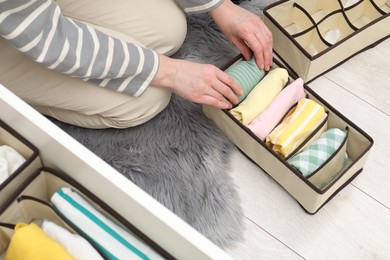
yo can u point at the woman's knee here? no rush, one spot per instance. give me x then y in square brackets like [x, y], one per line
[149, 105]
[170, 32]
[124, 113]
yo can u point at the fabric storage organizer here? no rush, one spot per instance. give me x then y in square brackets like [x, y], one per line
[27, 150]
[313, 37]
[305, 190]
[31, 201]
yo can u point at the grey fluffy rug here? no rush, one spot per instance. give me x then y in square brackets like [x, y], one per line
[180, 158]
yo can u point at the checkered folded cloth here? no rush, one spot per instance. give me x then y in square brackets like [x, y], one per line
[316, 153]
[247, 74]
[296, 127]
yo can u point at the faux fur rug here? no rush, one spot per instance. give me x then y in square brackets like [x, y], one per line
[180, 157]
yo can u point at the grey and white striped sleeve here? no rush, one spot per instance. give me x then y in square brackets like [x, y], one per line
[37, 29]
[198, 6]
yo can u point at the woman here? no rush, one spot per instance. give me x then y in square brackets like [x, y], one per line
[100, 63]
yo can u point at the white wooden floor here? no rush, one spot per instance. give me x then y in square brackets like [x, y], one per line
[355, 224]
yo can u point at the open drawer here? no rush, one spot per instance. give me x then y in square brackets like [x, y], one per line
[63, 154]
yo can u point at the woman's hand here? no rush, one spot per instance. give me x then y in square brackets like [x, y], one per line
[246, 31]
[199, 83]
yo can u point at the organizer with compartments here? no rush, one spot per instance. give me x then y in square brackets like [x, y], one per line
[32, 202]
[313, 37]
[316, 189]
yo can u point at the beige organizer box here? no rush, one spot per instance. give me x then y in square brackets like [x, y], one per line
[313, 36]
[30, 202]
[22, 147]
[306, 191]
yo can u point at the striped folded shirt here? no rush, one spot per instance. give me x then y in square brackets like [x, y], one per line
[296, 127]
[113, 240]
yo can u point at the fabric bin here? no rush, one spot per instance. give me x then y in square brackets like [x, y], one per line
[309, 195]
[31, 201]
[11, 138]
[313, 37]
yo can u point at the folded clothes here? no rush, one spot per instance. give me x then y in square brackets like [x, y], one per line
[10, 161]
[30, 242]
[261, 96]
[114, 241]
[75, 244]
[300, 122]
[263, 124]
[247, 74]
[316, 153]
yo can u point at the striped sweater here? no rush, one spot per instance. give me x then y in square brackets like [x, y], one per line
[39, 30]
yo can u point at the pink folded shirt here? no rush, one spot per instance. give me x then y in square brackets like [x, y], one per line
[264, 123]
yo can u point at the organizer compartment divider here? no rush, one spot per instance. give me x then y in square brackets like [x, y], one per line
[10, 137]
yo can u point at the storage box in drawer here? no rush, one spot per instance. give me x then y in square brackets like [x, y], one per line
[312, 37]
[49, 195]
[19, 159]
[308, 191]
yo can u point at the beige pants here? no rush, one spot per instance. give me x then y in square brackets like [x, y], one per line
[158, 24]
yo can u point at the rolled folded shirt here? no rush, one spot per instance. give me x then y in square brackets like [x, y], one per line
[300, 122]
[261, 96]
[316, 153]
[30, 242]
[263, 124]
[109, 237]
[247, 74]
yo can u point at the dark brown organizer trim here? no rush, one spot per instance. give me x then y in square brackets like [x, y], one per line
[28, 160]
[334, 193]
[377, 7]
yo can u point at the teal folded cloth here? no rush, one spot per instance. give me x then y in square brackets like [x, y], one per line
[247, 74]
[113, 240]
[315, 154]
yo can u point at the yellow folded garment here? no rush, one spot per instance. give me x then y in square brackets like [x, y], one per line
[300, 122]
[261, 96]
[30, 242]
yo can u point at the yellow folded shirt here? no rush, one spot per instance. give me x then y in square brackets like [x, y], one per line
[299, 123]
[261, 96]
[30, 242]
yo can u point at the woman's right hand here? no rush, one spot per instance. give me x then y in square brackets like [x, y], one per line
[199, 83]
